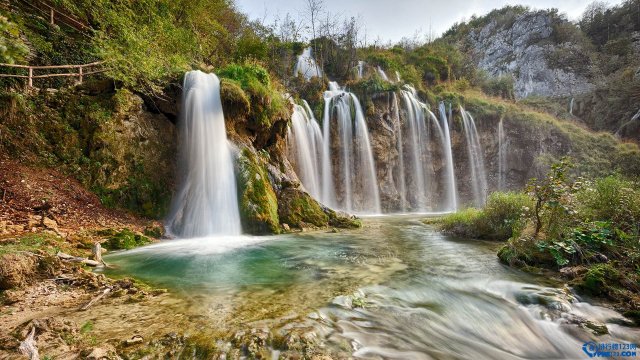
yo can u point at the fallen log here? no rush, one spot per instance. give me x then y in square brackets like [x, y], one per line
[104, 293]
[77, 259]
[28, 346]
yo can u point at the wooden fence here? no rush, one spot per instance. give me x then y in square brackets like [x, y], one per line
[56, 15]
[81, 72]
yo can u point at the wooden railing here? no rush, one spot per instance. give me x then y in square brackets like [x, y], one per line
[56, 15]
[80, 74]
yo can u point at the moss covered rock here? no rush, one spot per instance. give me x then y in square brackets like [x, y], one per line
[123, 240]
[298, 209]
[235, 101]
[257, 200]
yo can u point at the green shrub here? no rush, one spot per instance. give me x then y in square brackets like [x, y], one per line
[124, 240]
[267, 103]
[612, 199]
[599, 278]
[505, 212]
[469, 223]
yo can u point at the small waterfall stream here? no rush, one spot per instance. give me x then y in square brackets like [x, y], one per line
[206, 201]
[476, 159]
[305, 148]
[307, 66]
[452, 192]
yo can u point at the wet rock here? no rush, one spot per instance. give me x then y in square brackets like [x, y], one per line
[135, 339]
[286, 227]
[572, 272]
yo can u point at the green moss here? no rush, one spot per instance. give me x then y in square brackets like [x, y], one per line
[267, 103]
[234, 100]
[258, 202]
[298, 208]
[96, 139]
[124, 240]
[599, 278]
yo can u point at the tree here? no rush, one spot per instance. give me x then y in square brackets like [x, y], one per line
[314, 9]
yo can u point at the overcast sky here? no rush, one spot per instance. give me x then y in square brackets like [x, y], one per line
[394, 19]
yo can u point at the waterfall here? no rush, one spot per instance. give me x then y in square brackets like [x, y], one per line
[418, 183]
[360, 69]
[476, 160]
[571, 106]
[382, 74]
[502, 157]
[306, 65]
[398, 78]
[419, 158]
[355, 171]
[206, 201]
[450, 176]
[304, 139]
[400, 143]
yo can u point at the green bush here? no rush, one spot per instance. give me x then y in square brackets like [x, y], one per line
[469, 223]
[598, 278]
[505, 212]
[612, 199]
[501, 218]
[267, 103]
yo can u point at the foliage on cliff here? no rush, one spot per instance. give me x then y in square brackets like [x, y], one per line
[106, 141]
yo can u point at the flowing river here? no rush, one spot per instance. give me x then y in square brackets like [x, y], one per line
[394, 289]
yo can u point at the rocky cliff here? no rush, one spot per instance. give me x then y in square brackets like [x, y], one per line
[529, 47]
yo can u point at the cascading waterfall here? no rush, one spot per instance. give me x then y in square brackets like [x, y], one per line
[382, 74]
[416, 137]
[417, 181]
[476, 159]
[305, 147]
[450, 176]
[206, 201]
[502, 156]
[307, 66]
[401, 168]
[355, 169]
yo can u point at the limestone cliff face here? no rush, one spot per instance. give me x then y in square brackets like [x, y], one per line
[521, 47]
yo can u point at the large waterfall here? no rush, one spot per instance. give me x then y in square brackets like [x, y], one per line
[305, 148]
[206, 201]
[476, 159]
[419, 185]
[336, 165]
[307, 66]
[447, 149]
[347, 156]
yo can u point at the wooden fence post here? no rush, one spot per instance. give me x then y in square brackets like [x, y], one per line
[30, 76]
[80, 73]
[52, 22]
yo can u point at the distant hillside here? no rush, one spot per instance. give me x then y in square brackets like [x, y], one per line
[595, 61]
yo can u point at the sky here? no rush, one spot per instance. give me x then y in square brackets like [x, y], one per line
[391, 20]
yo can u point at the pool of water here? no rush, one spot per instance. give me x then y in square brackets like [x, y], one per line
[394, 289]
